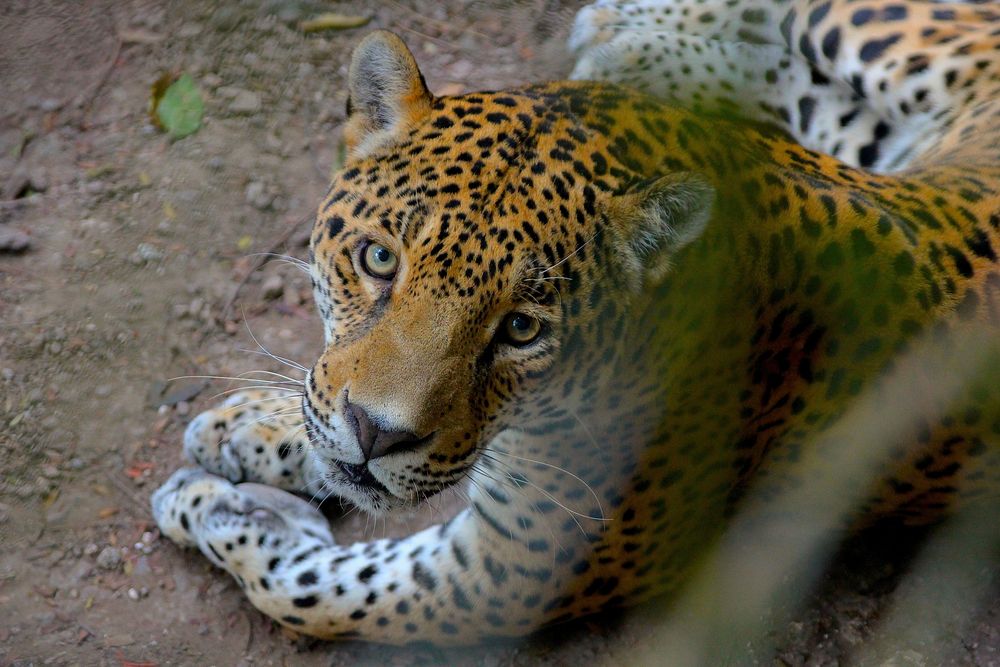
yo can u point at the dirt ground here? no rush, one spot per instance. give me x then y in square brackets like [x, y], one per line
[127, 259]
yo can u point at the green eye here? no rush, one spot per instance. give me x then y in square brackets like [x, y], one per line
[520, 329]
[379, 261]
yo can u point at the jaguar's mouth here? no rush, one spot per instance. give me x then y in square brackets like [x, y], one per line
[359, 476]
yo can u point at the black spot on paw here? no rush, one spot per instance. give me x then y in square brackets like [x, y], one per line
[305, 602]
[831, 43]
[216, 553]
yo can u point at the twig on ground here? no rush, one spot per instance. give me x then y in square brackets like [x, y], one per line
[16, 203]
[88, 101]
[129, 493]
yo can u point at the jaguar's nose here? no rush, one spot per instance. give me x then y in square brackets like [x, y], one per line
[373, 439]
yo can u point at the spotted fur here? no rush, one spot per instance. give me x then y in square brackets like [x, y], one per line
[714, 300]
[877, 84]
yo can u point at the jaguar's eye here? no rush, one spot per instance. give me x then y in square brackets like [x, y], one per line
[519, 329]
[379, 261]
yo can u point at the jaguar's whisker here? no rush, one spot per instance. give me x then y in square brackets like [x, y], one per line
[287, 391]
[265, 372]
[600, 507]
[236, 378]
[268, 353]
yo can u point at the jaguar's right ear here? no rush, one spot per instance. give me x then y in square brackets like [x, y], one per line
[660, 217]
[388, 94]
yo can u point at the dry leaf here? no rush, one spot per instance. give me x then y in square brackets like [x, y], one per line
[333, 21]
[50, 498]
[139, 36]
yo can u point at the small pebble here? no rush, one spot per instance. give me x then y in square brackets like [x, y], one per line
[259, 195]
[17, 185]
[109, 558]
[39, 179]
[189, 30]
[13, 240]
[225, 18]
[149, 253]
[245, 102]
[273, 287]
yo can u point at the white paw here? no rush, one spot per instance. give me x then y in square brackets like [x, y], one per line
[180, 503]
[594, 25]
[239, 440]
[255, 510]
[609, 61]
[196, 508]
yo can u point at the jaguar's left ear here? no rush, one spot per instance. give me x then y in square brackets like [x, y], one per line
[658, 218]
[388, 94]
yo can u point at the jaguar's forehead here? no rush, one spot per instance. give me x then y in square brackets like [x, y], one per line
[492, 172]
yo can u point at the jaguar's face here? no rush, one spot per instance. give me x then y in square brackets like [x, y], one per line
[461, 279]
[444, 323]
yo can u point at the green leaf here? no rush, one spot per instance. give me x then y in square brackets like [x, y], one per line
[180, 109]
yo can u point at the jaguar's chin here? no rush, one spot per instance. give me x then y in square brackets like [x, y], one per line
[368, 495]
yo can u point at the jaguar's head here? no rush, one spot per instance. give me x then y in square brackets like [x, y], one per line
[472, 262]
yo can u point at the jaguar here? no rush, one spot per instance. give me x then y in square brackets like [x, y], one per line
[619, 310]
